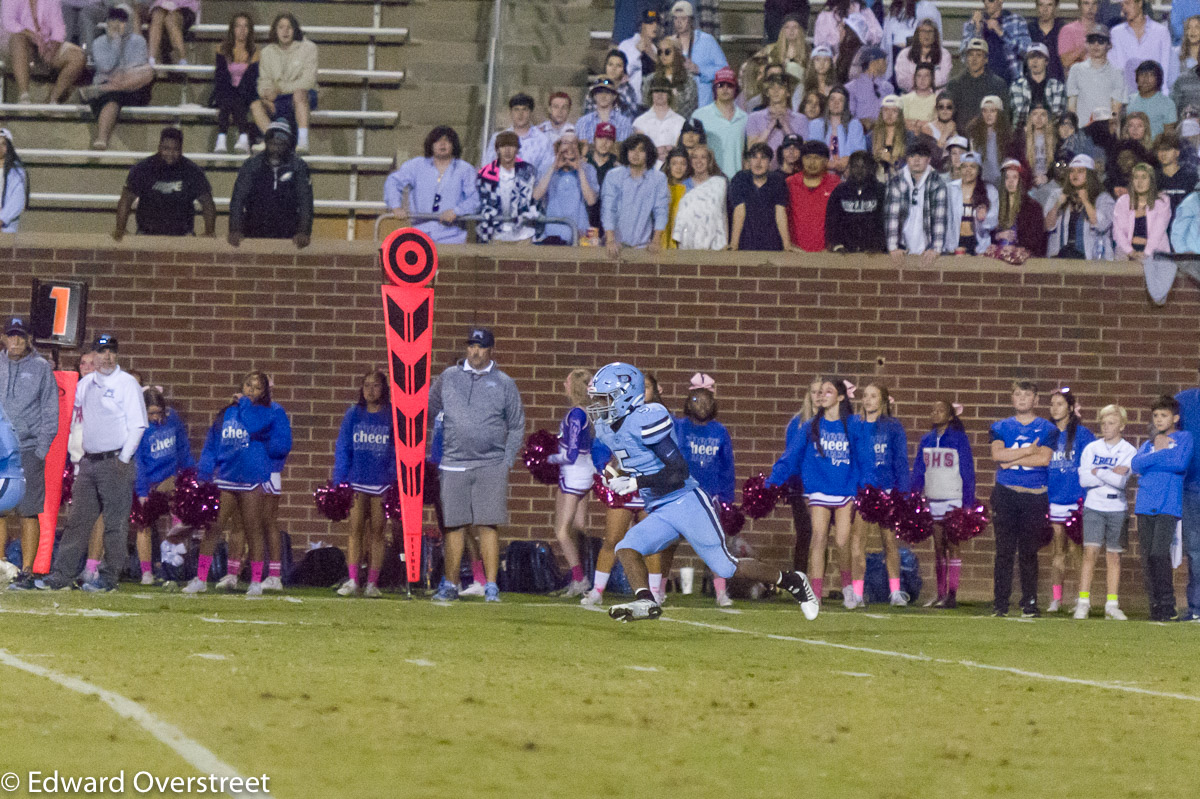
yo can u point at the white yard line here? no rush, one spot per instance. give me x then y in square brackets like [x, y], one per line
[215, 620]
[195, 753]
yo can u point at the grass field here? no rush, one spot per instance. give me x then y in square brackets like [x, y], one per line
[541, 698]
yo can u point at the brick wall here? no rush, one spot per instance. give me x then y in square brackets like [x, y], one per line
[194, 317]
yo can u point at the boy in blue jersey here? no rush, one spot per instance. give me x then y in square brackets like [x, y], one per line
[1161, 463]
[641, 437]
[1022, 446]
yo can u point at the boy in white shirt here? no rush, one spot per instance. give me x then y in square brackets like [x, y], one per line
[1104, 470]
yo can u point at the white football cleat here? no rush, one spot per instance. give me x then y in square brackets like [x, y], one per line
[723, 600]
[1082, 607]
[1054, 606]
[228, 583]
[372, 591]
[195, 586]
[349, 588]
[255, 589]
[1114, 612]
[592, 598]
[848, 599]
[147, 578]
[577, 588]
[474, 589]
[637, 610]
[899, 599]
[272, 584]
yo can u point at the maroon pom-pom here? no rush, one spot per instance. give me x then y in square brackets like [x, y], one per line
[963, 524]
[732, 518]
[1074, 525]
[334, 500]
[68, 484]
[607, 496]
[391, 502]
[196, 504]
[911, 518]
[874, 506]
[538, 448]
[433, 484]
[143, 514]
[758, 498]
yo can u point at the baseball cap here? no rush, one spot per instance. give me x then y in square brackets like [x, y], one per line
[870, 54]
[279, 127]
[814, 147]
[649, 16]
[971, 157]
[16, 327]
[792, 140]
[958, 141]
[1083, 161]
[1011, 163]
[891, 101]
[1037, 48]
[121, 11]
[106, 342]
[603, 84]
[991, 101]
[977, 44]
[683, 7]
[821, 51]
[726, 76]
[606, 130]
[1189, 127]
[481, 336]
[1099, 31]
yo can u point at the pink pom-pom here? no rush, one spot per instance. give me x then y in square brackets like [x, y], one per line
[538, 448]
[143, 514]
[196, 504]
[732, 518]
[758, 498]
[963, 524]
[874, 506]
[911, 518]
[334, 500]
[68, 481]
[391, 502]
[607, 496]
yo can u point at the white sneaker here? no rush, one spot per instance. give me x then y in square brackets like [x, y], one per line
[592, 598]
[1113, 611]
[899, 599]
[1082, 607]
[255, 589]
[577, 588]
[302, 142]
[195, 586]
[474, 589]
[1054, 606]
[349, 588]
[661, 597]
[849, 598]
[228, 583]
[723, 600]
[147, 578]
[372, 591]
[637, 610]
[272, 584]
[222, 146]
[242, 145]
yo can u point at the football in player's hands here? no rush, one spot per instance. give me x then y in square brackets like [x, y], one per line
[623, 484]
[613, 471]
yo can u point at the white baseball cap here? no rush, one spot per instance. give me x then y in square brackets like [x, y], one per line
[1083, 161]
[958, 141]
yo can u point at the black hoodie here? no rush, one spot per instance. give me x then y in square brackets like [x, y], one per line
[854, 217]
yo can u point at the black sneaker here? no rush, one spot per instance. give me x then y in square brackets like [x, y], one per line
[1030, 612]
[950, 602]
[24, 582]
[52, 583]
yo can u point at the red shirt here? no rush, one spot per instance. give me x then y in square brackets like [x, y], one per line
[806, 210]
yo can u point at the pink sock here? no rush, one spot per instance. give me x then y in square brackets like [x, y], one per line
[576, 574]
[940, 571]
[256, 571]
[893, 584]
[477, 572]
[147, 567]
[599, 581]
[353, 567]
[1056, 592]
[720, 585]
[846, 579]
[952, 575]
[92, 565]
[202, 568]
[235, 568]
[275, 569]
[858, 587]
[818, 584]
[372, 576]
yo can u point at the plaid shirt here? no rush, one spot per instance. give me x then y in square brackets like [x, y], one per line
[1016, 40]
[1022, 98]
[899, 201]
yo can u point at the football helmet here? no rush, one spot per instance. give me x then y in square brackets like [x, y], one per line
[617, 389]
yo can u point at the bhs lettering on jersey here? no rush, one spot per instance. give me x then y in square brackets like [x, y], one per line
[162, 445]
[941, 460]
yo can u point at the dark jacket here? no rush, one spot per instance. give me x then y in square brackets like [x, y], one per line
[225, 94]
[272, 202]
[854, 217]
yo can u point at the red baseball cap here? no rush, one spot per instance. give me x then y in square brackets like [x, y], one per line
[606, 130]
[725, 75]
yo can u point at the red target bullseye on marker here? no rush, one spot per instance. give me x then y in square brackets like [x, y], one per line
[409, 257]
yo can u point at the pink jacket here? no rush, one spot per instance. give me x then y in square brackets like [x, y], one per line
[905, 69]
[829, 34]
[1157, 220]
[16, 16]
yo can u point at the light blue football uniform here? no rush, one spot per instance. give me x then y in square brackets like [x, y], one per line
[685, 512]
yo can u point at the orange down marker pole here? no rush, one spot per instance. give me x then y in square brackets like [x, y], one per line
[409, 261]
[56, 461]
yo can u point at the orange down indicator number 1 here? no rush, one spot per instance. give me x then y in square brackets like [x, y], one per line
[58, 310]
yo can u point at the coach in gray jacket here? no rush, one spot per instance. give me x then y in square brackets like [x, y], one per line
[31, 403]
[483, 426]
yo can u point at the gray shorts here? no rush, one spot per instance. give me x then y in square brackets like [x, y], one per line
[1108, 529]
[476, 496]
[35, 485]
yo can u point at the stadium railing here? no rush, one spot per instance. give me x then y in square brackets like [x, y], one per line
[541, 220]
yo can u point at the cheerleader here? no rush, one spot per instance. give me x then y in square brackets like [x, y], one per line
[617, 522]
[273, 489]
[247, 438]
[575, 470]
[890, 445]
[944, 471]
[365, 457]
[163, 451]
[708, 450]
[1064, 489]
[830, 454]
[801, 521]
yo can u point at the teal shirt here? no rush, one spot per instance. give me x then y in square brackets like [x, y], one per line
[726, 137]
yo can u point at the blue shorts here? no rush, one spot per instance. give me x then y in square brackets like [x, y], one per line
[12, 489]
[693, 517]
[285, 107]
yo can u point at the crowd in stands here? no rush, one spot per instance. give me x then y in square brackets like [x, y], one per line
[1067, 137]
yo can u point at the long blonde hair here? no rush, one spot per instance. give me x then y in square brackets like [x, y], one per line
[1184, 49]
[777, 52]
[577, 385]
[1150, 198]
[879, 137]
[1050, 133]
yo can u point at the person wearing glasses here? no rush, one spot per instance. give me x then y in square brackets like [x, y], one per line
[440, 183]
[916, 208]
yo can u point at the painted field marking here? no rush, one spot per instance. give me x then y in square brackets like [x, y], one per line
[215, 620]
[970, 664]
[91, 613]
[641, 668]
[195, 753]
[207, 655]
[421, 662]
[853, 674]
